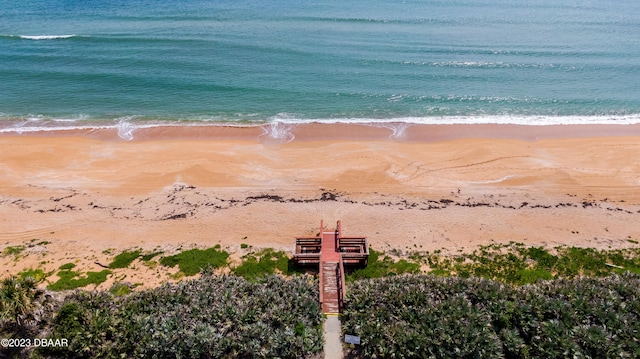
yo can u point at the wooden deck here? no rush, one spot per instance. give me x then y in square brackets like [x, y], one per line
[330, 251]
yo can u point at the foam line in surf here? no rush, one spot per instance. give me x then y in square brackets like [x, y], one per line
[46, 37]
[279, 128]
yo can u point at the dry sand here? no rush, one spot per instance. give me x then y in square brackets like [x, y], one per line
[84, 197]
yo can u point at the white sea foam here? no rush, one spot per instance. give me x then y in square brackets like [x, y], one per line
[45, 37]
[530, 120]
[278, 129]
[278, 132]
[125, 128]
[397, 128]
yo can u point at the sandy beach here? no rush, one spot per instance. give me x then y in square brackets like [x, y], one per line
[84, 196]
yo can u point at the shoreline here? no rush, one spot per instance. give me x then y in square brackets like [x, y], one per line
[438, 187]
[280, 133]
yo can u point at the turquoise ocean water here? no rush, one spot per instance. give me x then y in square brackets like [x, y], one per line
[75, 63]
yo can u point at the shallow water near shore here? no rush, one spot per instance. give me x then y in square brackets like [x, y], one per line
[78, 64]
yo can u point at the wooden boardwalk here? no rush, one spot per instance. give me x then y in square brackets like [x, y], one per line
[330, 251]
[332, 285]
[331, 302]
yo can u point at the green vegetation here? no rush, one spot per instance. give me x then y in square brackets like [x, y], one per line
[191, 262]
[149, 256]
[38, 274]
[262, 263]
[517, 264]
[67, 266]
[17, 297]
[119, 289]
[71, 280]
[451, 317]
[497, 302]
[24, 311]
[13, 250]
[381, 265]
[125, 258]
[69, 320]
[209, 317]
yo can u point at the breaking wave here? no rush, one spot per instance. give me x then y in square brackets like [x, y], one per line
[528, 120]
[279, 129]
[45, 37]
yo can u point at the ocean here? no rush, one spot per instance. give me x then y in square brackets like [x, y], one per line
[84, 63]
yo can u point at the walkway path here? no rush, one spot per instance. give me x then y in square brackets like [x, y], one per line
[332, 337]
[329, 265]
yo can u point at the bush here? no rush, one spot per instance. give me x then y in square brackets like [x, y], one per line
[515, 263]
[67, 266]
[149, 256]
[446, 317]
[72, 280]
[191, 262]
[210, 317]
[119, 289]
[13, 250]
[25, 310]
[380, 265]
[125, 258]
[17, 299]
[263, 263]
[38, 274]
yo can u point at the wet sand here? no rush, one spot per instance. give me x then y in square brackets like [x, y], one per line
[88, 195]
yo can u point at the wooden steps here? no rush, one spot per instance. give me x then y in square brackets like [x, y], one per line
[331, 252]
[330, 288]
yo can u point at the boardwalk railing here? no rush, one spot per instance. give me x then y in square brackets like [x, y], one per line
[354, 250]
[331, 252]
[341, 285]
[307, 250]
[321, 284]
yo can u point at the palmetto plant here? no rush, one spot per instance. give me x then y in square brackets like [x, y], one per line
[19, 301]
[516, 263]
[209, 317]
[24, 311]
[449, 317]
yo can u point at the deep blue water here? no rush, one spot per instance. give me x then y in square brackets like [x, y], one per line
[541, 61]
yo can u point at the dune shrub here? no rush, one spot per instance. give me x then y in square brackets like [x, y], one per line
[516, 263]
[125, 258]
[262, 263]
[450, 317]
[209, 317]
[192, 261]
[69, 279]
[381, 265]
